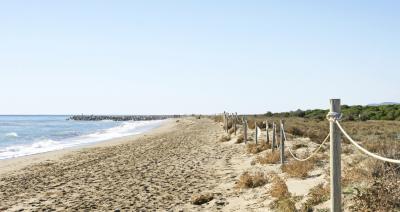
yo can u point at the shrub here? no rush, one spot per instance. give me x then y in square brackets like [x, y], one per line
[269, 158]
[295, 131]
[279, 188]
[240, 139]
[225, 138]
[382, 195]
[317, 195]
[256, 148]
[251, 125]
[298, 168]
[201, 199]
[298, 146]
[248, 180]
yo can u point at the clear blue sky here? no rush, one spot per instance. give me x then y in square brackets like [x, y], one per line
[148, 57]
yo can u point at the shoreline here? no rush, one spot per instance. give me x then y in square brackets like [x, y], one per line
[14, 164]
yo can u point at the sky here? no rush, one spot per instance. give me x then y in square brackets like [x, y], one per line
[182, 57]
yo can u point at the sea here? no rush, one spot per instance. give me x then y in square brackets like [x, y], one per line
[27, 135]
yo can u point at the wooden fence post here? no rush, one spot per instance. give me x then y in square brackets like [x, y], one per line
[224, 121]
[255, 125]
[245, 130]
[282, 144]
[234, 125]
[273, 136]
[335, 159]
[267, 128]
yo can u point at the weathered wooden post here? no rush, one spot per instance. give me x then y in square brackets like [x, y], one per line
[245, 130]
[267, 128]
[335, 159]
[225, 125]
[282, 144]
[273, 136]
[234, 125]
[255, 125]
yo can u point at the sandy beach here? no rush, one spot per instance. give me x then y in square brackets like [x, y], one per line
[154, 171]
[168, 169]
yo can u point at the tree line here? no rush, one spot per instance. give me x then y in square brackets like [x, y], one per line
[350, 113]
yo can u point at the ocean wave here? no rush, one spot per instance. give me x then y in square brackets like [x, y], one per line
[42, 146]
[11, 134]
[46, 145]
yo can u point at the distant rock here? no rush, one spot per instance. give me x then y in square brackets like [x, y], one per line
[121, 117]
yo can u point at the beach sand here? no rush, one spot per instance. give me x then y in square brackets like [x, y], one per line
[156, 171]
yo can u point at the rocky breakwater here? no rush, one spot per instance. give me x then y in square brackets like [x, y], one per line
[121, 117]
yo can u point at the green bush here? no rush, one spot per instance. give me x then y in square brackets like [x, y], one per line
[350, 113]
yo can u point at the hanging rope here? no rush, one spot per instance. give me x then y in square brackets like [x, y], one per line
[309, 157]
[364, 150]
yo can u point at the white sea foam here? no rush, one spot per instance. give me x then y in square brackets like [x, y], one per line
[46, 145]
[12, 134]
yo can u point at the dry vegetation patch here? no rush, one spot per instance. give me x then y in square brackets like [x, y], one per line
[298, 168]
[225, 138]
[256, 148]
[382, 192]
[248, 180]
[269, 158]
[316, 196]
[299, 146]
[279, 190]
[240, 139]
[201, 199]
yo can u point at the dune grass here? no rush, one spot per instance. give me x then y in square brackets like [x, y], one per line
[257, 148]
[298, 168]
[248, 180]
[269, 158]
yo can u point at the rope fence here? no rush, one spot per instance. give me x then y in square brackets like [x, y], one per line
[363, 149]
[312, 154]
[336, 130]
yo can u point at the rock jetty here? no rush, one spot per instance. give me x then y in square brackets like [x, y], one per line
[121, 117]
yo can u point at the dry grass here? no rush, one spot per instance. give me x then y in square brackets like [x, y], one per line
[248, 180]
[251, 125]
[269, 158]
[284, 205]
[381, 195]
[299, 146]
[279, 190]
[316, 196]
[240, 139]
[354, 175]
[218, 119]
[298, 168]
[377, 136]
[225, 138]
[347, 149]
[201, 199]
[257, 148]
